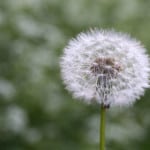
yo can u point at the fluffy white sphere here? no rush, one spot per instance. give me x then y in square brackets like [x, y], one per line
[108, 67]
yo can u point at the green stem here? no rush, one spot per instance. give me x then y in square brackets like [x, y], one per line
[102, 128]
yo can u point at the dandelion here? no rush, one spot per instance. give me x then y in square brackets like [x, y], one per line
[107, 67]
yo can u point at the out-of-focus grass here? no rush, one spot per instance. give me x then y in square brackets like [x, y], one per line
[36, 112]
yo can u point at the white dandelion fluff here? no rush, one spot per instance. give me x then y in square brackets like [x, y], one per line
[108, 67]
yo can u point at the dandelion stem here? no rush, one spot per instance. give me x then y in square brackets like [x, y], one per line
[102, 128]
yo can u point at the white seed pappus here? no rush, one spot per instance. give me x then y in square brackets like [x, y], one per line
[105, 66]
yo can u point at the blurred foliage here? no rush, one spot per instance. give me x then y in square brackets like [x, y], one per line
[36, 112]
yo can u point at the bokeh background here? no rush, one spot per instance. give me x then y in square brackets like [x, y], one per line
[36, 112]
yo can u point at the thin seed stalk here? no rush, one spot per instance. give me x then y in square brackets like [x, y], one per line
[102, 127]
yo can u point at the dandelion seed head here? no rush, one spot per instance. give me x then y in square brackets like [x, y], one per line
[105, 66]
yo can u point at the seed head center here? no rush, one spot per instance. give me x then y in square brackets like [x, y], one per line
[105, 70]
[106, 67]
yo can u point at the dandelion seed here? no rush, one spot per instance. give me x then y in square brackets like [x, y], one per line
[108, 67]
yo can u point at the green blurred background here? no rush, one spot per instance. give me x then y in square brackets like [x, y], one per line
[36, 112]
